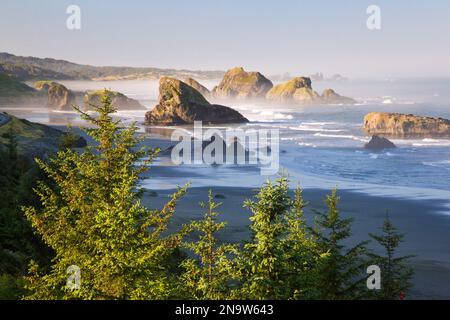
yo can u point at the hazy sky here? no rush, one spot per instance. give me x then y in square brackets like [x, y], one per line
[295, 36]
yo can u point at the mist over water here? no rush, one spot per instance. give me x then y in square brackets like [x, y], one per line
[321, 146]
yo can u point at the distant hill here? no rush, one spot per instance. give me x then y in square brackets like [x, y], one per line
[33, 139]
[10, 87]
[32, 68]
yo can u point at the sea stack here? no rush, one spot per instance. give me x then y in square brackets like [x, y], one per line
[180, 104]
[295, 90]
[118, 100]
[330, 96]
[58, 96]
[405, 125]
[378, 143]
[240, 84]
[197, 86]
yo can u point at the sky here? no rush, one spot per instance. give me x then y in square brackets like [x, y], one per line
[274, 37]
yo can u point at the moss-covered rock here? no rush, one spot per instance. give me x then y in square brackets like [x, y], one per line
[197, 86]
[180, 103]
[405, 125]
[58, 96]
[330, 96]
[119, 100]
[237, 83]
[297, 89]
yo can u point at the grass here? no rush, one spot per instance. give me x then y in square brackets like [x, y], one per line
[13, 88]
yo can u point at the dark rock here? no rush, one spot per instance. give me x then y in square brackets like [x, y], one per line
[180, 104]
[379, 143]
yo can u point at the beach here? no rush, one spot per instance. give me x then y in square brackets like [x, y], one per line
[321, 147]
[426, 230]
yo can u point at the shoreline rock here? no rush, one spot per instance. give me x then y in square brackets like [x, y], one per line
[240, 84]
[58, 96]
[298, 89]
[197, 86]
[181, 104]
[405, 125]
[378, 143]
[330, 96]
[119, 100]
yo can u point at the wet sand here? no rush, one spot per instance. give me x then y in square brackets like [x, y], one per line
[427, 232]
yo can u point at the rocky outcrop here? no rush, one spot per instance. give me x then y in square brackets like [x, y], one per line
[58, 96]
[237, 83]
[34, 139]
[330, 96]
[405, 125]
[379, 143]
[298, 89]
[179, 104]
[118, 100]
[197, 86]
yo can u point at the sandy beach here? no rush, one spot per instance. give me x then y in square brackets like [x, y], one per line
[426, 231]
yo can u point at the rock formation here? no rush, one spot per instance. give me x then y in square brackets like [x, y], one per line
[405, 125]
[298, 89]
[237, 83]
[379, 143]
[119, 100]
[58, 96]
[179, 103]
[330, 96]
[197, 86]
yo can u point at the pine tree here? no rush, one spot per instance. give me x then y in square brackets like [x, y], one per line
[395, 273]
[262, 258]
[209, 277]
[301, 255]
[92, 218]
[342, 273]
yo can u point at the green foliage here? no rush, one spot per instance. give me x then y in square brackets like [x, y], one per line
[18, 244]
[11, 287]
[92, 218]
[209, 277]
[11, 88]
[282, 260]
[261, 259]
[302, 257]
[341, 273]
[88, 213]
[395, 273]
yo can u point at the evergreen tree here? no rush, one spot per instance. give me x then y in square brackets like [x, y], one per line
[262, 258]
[342, 273]
[301, 255]
[92, 218]
[395, 273]
[209, 277]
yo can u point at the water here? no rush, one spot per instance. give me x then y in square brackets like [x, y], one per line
[322, 145]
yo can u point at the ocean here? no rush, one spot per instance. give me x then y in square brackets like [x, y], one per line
[321, 146]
